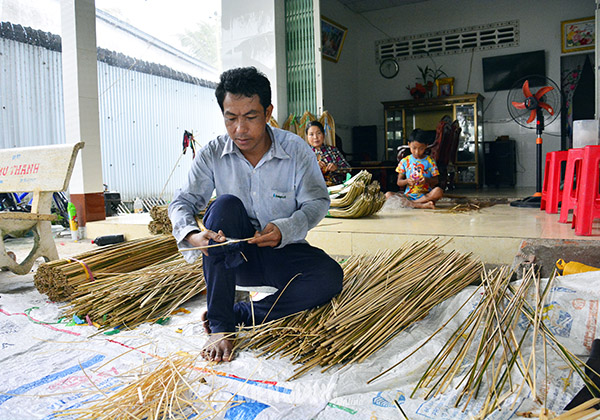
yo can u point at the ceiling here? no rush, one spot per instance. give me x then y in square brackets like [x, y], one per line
[359, 6]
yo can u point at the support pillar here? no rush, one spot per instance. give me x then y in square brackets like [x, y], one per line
[80, 91]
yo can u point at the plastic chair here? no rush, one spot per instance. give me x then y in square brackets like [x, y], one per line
[551, 190]
[588, 199]
[572, 178]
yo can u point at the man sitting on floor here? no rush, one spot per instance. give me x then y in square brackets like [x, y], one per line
[269, 187]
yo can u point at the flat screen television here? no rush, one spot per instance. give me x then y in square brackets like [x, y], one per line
[501, 72]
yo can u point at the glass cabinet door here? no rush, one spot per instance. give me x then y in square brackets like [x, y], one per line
[465, 115]
[394, 132]
[401, 117]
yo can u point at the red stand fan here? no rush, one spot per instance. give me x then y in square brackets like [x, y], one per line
[524, 107]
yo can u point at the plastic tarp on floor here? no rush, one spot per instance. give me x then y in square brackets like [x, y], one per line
[47, 366]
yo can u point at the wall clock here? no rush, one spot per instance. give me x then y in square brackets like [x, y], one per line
[389, 68]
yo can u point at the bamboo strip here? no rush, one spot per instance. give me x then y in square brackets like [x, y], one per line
[498, 349]
[172, 387]
[382, 295]
[140, 296]
[580, 411]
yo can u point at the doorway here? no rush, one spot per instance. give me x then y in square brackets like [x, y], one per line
[578, 88]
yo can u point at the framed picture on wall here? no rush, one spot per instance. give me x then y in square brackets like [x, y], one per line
[577, 34]
[332, 39]
[445, 86]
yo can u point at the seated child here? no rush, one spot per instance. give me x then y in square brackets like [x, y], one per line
[418, 174]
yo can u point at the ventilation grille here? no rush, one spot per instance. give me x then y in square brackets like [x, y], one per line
[453, 41]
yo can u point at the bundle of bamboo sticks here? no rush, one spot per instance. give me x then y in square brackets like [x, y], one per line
[167, 388]
[487, 348]
[383, 294]
[59, 279]
[130, 299]
[358, 197]
[336, 191]
[160, 223]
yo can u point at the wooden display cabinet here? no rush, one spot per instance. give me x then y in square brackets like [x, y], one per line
[402, 117]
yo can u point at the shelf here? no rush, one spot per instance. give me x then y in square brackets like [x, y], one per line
[402, 117]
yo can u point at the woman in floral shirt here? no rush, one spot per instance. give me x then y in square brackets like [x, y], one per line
[332, 163]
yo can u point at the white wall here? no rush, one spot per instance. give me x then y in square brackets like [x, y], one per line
[354, 90]
[249, 38]
[343, 81]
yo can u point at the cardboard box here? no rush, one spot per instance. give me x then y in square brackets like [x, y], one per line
[585, 133]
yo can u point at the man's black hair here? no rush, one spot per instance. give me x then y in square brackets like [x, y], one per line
[246, 81]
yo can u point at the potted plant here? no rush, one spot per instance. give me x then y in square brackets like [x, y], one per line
[427, 81]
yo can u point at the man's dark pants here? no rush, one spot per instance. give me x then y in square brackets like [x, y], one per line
[304, 276]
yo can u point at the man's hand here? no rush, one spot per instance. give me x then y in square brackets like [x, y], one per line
[270, 236]
[198, 239]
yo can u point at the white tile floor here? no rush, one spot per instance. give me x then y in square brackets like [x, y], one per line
[493, 233]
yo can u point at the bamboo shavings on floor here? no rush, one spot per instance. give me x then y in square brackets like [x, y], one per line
[487, 348]
[383, 294]
[59, 279]
[464, 207]
[143, 295]
[169, 388]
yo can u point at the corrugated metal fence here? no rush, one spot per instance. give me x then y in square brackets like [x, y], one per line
[31, 102]
[142, 117]
[142, 120]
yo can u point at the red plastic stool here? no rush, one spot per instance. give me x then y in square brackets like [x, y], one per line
[572, 173]
[551, 190]
[587, 207]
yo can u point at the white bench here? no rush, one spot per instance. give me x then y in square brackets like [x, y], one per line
[41, 170]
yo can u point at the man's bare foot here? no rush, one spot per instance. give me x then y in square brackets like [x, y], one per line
[205, 324]
[218, 348]
[390, 194]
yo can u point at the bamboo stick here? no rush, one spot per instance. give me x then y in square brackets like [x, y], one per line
[59, 279]
[374, 305]
[140, 296]
[498, 350]
[171, 387]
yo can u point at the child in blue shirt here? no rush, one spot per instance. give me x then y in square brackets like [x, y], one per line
[418, 175]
